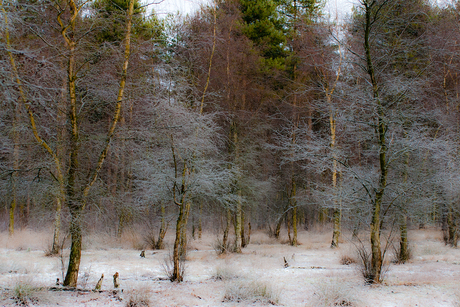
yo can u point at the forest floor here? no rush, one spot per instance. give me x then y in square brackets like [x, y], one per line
[257, 277]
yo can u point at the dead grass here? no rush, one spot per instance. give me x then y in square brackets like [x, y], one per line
[138, 297]
[25, 240]
[333, 292]
[250, 291]
[224, 272]
[347, 260]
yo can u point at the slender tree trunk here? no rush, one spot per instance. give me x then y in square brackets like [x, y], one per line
[238, 224]
[57, 226]
[73, 268]
[376, 261]
[336, 212]
[452, 227]
[288, 224]
[249, 234]
[278, 226]
[160, 242]
[243, 237]
[183, 242]
[403, 242]
[177, 274]
[294, 213]
[444, 227]
[200, 226]
[226, 231]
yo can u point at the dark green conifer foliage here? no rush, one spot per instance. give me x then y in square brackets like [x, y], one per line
[112, 23]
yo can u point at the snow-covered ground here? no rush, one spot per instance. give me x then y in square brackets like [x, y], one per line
[315, 276]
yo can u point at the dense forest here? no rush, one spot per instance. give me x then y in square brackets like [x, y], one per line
[247, 115]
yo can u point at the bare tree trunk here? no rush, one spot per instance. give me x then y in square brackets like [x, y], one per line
[288, 224]
[183, 242]
[163, 227]
[403, 242]
[226, 231]
[444, 227]
[177, 274]
[294, 213]
[249, 233]
[278, 227]
[452, 227]
[243, 238]
[200, 226]
[71, 276]
[381, 129]
[238, 225]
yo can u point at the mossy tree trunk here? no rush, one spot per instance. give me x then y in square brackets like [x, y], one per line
[226, 231]
[163, 228]
[371, 14]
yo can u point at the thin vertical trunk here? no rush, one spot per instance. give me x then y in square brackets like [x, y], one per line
[226, 231]
[71, 276]
[249, 233]
[75, 206]
[183, 242]
[403, 242]
[294, 213]
[60, 153]
[161, 236]
[451, 227]
[336, 212]
[288, 225]
[177, 274]
[243, 237]
[376, 260]
[200, 226]
[57, 226]
[444, 227]
[238, 224]
[278, 227]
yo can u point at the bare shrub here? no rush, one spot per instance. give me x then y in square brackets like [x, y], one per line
[139, 297]
[365, 257]
[365, 261]
[333, 293]
[168, 267]
[250, 291]
[219, 247]
[149, 239]
[400, 257]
